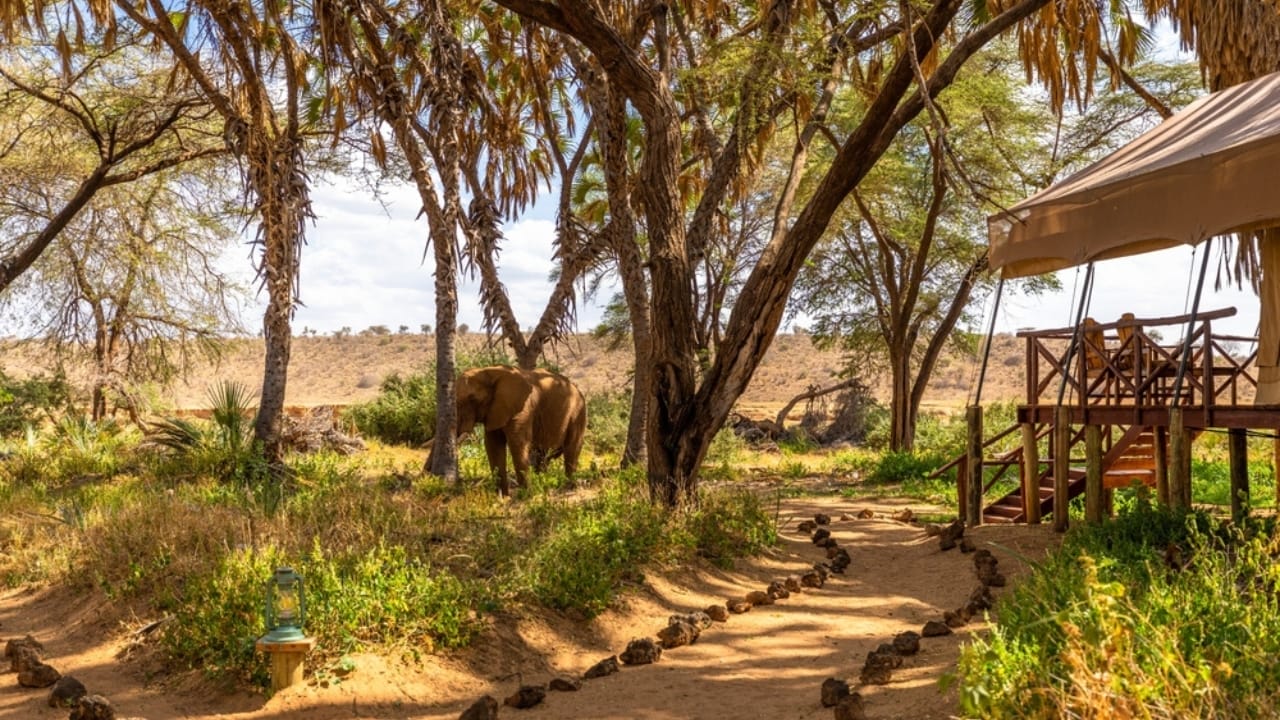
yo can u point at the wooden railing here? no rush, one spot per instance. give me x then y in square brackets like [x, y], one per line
[1120, 363]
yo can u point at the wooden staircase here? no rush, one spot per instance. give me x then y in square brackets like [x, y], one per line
[1131, 459]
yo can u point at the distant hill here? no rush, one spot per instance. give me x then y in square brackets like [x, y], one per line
[347, 370]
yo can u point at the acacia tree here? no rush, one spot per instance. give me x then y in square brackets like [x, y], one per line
[896, 277]
[687, 408]
[77, 125]
[132, 285]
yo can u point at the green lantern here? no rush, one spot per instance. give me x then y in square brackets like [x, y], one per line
[286, 607]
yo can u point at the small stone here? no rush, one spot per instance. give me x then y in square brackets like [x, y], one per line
[806, 526]
[697, 618]
[822, 519]
[718, 613]
[486, 708]
[793, 583]
[12, 646]
[93, 707]
[840, 560]
[66, 692]
[932, 529]
[933, 628]
[850, 708]
[607, 666]
[951, 535]
[778, 590]
[907, 643]
[981, 598]
[738, 606]
[811, 580]
[866, 514]
[845, 516]
[833, 691]
[758, 597]
[822, 569]
[967, 546]
[828, 543]
[564, 684]
[678, 635]
[878, 669]
[904, 515]
[820, 536]
[22, 658]
[956, 618]
[641, 651]
[38, 675]
[526, 697]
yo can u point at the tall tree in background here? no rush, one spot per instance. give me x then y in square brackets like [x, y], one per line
[896, 278]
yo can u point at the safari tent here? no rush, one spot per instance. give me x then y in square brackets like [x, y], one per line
[1135, 403]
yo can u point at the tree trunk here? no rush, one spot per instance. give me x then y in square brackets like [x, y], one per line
[902, 435]
[637, 295]
[275, 374]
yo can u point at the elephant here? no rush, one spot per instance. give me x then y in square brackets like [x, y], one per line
[538, 414]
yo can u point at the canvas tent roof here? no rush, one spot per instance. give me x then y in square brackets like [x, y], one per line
[1211, 169]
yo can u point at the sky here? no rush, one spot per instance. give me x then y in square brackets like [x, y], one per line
[364, 266]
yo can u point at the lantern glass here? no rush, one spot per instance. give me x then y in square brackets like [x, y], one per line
[286, 606]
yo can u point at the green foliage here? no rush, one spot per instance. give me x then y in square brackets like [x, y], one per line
[222, 448]
[730, 524]
[608, 414]
[897, 467]
[27, 403]
[592, 547]
[404, 413]
[1155, 614]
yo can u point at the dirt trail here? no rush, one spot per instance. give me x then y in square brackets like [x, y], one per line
[767, 663]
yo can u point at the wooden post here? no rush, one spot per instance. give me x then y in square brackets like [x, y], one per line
[1161, 454]
[1275, 464]
[286, 661]
[1094, 502]
[1238, 453]
[1061, 466]
[973, 451]
[1030, 475]
[1178, 472]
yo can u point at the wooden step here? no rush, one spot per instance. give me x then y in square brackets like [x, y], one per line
[1004, 511]
[1113, 479]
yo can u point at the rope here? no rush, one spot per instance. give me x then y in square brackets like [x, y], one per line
[1191, 273]
[986, 352]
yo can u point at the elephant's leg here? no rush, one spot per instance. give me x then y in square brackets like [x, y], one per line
[520, 459]
[572, 449]
[538, 459]
[495, 446]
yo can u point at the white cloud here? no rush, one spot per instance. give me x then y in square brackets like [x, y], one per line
[364, 265]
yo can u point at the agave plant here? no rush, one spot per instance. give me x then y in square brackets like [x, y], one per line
[224, 448]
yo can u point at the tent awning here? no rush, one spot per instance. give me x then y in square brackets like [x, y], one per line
[1211, 169]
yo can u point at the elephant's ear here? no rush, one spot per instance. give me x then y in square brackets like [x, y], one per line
[510, 393]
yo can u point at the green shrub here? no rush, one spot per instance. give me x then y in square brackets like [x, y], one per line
[404, 413]
[1156, 614]
[31, 402]
[898, 467]
[608, 415]
[731, 524]
[222, 447]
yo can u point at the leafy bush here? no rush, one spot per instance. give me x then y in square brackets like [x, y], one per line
[32, 401]
[731, 524]
[1156, 614]
[608, 414]
[222, 448]
[404, 413]
[897, 467]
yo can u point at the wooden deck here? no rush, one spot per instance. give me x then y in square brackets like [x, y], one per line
[1138, 389]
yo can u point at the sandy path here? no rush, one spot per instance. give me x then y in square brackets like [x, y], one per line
[768, 663]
